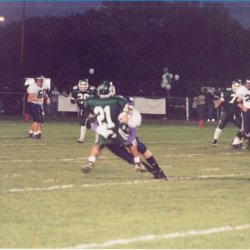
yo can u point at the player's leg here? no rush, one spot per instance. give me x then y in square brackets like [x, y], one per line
[83, 128]
[34, 111]
[95, 152]
[224, 118]
[240, 136]
[149, 157]
[40, 113]
[123, 153]
[246, 126]
[138, 165]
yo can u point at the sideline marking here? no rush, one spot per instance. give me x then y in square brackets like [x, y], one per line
[67, 186]
[149, 237]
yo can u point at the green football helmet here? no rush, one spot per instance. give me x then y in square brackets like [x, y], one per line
[106, 89]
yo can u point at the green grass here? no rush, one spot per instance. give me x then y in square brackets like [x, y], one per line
[209, 188]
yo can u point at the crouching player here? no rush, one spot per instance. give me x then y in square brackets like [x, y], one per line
[134, 121]
[108, 110]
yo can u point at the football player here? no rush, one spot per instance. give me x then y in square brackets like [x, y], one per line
[37, 95]
[110, 113]
[79, 94]
[230, 113]
[134, 120]
[243, 102]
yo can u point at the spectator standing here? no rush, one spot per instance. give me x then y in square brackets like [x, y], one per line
[201, 106]
[65, 94]
[210, 106]
[54, 101]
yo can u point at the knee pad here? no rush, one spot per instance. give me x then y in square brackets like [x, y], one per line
[141, 147]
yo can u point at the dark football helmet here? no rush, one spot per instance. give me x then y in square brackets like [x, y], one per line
[106, 89]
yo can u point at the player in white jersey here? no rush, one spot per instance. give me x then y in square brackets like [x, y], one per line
[37, 95]
[243, 99]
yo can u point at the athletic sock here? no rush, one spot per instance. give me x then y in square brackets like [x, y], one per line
[83, 132]
[217, 133]
[151, 160]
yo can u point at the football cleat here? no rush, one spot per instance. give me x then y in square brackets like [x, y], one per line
[139, 167]
[238, 146]
[160, 175]
[30, 135]
[214, 143]
[80, 140]
[86, 169]
[37, 136]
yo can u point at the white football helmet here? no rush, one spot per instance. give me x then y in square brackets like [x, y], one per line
[39, 81]
[236, 84]
[83, 85]
[247, 83]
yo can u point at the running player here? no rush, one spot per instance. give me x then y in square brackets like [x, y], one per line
[79, 94]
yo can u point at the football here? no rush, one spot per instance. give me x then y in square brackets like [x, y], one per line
[91, 71]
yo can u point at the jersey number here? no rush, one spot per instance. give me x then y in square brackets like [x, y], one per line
[41, 93]
[102, 115]
[233, 98]
[247, 98]
[81, 96]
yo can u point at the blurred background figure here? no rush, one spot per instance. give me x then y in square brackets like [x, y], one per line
[54, 101]
[201, 106]
[210, 106]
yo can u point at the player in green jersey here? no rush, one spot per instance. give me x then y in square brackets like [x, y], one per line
[110, 113]
[230, 113]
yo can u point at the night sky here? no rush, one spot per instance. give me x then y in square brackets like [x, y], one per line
[12, 10]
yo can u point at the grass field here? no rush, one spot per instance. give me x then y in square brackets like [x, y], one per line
[46, 202]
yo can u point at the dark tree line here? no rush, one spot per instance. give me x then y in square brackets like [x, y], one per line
[129, 43]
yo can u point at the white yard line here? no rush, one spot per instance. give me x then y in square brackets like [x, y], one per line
[145, 238]
[199, 154]
[110, 157]
[67, 186]
[52, 160]
[16, 190]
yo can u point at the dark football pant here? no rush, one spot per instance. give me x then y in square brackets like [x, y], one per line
[246, 122]
[122, 152]
[83, 114]
[227, 116]
[36, 111]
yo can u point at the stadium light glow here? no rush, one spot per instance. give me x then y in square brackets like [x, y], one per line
[2, 19]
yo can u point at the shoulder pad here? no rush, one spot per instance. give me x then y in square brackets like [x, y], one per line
[92, 87]
[120, 96]
[75, 87]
